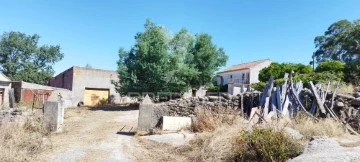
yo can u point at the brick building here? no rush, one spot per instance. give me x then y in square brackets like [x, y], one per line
[88, 85]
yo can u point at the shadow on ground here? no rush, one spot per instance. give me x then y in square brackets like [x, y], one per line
[115, 108]
[126, 133]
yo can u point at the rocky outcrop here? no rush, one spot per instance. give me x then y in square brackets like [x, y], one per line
[328, 149]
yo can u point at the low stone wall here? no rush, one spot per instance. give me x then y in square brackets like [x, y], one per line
[150, 113]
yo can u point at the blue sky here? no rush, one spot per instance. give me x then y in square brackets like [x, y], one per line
[91, 32]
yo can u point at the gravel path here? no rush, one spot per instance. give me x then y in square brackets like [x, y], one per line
[94, 135]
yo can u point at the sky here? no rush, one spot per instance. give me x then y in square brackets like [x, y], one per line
[91, 32]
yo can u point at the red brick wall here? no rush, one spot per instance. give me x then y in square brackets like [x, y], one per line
[63, 80]
[27, 95]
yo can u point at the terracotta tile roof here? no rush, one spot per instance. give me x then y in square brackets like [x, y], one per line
[243, 66]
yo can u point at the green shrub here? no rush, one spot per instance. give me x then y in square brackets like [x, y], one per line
[331, 66]
[213, 88]
[265, 144]
[258, 86]
[102, 102]
[277, 70]
[221, 88]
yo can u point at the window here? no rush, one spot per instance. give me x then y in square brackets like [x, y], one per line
[243, 76]
[230, 76]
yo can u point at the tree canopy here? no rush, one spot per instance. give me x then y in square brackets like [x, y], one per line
[22, 59]
[278, 70]
[332, 66]
[162, 62]
[341, 41]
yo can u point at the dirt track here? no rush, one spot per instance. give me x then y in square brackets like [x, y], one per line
[94, 135]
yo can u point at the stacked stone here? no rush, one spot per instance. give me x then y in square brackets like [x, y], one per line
[187, 107]
[347, 107]
[10, 115]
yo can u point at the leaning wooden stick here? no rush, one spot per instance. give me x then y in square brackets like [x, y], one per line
[317, 98]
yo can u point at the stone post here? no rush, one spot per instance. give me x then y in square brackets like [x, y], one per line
[53, 115]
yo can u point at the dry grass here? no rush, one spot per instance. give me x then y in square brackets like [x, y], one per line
[218, 145]
[22, 141]
[324, 127]
[266, 144]
[234, 143]
[208, 119]
[345, 88]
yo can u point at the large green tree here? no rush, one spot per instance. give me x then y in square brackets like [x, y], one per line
[278, 70]
[341, 41]
[164, 62]
[22, 59]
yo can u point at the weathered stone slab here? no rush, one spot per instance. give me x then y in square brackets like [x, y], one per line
[172, 123]
[53, 115]
[345, 96]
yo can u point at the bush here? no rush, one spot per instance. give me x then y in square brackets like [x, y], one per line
[265, 144]
[103, 102]
[278, 70]
[331, 66]
[221, 88]
[258, 86]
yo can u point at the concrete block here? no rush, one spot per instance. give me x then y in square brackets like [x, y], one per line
[172, 123]
[53, 115]
[150, 114]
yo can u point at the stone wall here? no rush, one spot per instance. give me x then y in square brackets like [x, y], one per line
[150, 113]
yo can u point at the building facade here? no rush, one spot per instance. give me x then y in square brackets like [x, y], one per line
[5, 88]
[89, 86]
[242, 75]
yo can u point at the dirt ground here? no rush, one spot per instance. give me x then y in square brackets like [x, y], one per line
[97, 134]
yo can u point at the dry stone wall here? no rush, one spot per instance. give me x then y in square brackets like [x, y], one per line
[150, 113]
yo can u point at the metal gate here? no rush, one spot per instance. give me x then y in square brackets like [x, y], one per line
[39, 100]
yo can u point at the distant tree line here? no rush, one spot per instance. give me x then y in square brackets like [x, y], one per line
[337, 57]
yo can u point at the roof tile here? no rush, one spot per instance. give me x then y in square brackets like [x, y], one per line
[243, 66]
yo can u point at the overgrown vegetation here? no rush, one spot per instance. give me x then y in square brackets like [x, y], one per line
[265, 144]
[309, 127]
[103, 102]
[217, 88]
[208, 120]
[22, 141]
[324, 72]
[162, 62]
[225, 138]
[233, 143]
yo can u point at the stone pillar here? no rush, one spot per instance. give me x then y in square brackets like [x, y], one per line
[150, 114]
[53, 115]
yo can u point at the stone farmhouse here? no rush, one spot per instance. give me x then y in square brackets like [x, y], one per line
[88, 85]
[241, 75]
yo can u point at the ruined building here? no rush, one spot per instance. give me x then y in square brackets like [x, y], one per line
[88, 85]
